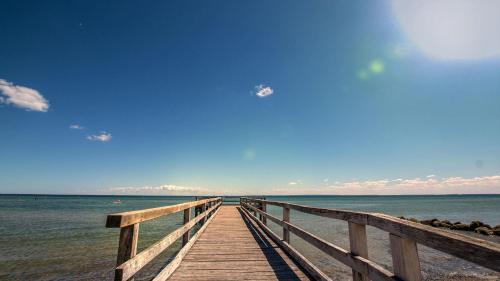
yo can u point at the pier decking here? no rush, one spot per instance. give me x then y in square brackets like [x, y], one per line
[234, 243]
[235, 248]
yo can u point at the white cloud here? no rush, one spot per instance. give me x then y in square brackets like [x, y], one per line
[76, 127]
[295, 182]
[161, 189]
[22, 97]
[427, 185]
[262, 91]
[103, 137]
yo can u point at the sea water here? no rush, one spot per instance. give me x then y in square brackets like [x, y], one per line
[47, 237]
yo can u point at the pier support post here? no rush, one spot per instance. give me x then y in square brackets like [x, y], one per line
[405, 258]
[286, 218]
[187, 218]
[358, 245]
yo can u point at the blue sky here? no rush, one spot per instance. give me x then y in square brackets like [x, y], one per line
[234, 97]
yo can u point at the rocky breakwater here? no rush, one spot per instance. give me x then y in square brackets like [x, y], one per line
[475, 226]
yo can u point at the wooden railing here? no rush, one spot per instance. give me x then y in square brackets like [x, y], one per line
[403, 236]
[129, 262]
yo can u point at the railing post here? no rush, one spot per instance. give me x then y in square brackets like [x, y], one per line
[358, 245]
[127, 245]
[203, 209]
[405, 258]
[286, 218]
[259, 206]
[187, 218]
[264, 208]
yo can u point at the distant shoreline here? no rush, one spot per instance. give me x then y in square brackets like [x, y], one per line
[274, 195]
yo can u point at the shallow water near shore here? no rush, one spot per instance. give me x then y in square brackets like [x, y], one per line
[45, 237]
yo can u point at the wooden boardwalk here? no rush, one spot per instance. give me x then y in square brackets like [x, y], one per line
[235, 243]
[234, 248]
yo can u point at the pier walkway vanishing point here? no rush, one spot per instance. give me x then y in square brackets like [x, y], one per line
[234, 242]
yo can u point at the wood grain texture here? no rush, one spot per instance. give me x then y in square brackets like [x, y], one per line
[286, 218]
[358, 263]
[127, 245]
[168, 270]
[405, 258]
[481, 252]
[359, 246]
[132, 265]
[132, 217]
[264, 209]
[358, 217]
[187, 218]
[234, 248]
[235, 243]
[315, 272]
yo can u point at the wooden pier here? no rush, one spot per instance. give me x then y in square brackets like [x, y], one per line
[235, 243]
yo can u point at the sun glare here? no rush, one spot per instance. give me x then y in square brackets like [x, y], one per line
[452, 29]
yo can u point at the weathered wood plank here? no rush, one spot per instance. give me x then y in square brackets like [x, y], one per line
[299, 258]
[358, 217]
[234, 248]
[132, 217]
[481, 252]
[166, 272]
[358, 263]
[359, 246]
[127, 245]
[264, 209]
[187, 218]
[286, 218]
[132, 265]
[405, 258]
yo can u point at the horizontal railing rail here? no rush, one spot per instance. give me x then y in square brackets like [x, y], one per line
[403, 235]
[129, 262]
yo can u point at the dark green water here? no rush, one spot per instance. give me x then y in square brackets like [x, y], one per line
[63, 237]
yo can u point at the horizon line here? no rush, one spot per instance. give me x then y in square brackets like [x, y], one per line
[246, 195]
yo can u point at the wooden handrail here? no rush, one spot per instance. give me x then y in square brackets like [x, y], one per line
[129, 263]
[133, 217]
[358, 263]
[404, 235]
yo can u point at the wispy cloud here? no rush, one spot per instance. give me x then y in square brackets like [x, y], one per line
[76, 127]
[263, 91]
[103, 137]
[428, 185]
[160, 189]
[22, 97]
[295, 182]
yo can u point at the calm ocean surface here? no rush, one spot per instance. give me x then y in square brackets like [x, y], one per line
[45, 237]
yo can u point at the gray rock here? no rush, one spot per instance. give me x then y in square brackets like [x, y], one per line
[483, 230]
[428, 222]
[460, 226]
[476, 224]
[496, 230]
